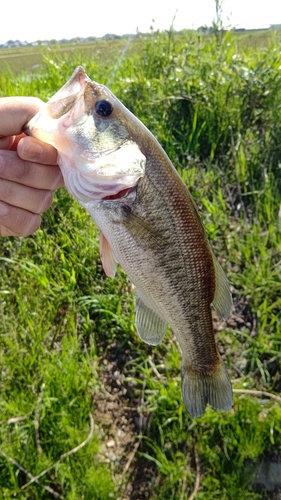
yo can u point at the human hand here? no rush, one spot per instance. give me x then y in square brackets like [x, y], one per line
[28, 169]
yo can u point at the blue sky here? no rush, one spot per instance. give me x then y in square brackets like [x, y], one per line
[34, 20]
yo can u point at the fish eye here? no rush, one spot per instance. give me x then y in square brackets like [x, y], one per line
[103, 108]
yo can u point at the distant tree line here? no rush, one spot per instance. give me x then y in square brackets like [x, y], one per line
[111, 36]
[18, 43]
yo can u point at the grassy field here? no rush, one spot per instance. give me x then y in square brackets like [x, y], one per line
[30, 59]
[89, 412]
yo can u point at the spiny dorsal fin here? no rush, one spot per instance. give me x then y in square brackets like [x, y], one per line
[151, 329]
[222, 302]
[106, 254]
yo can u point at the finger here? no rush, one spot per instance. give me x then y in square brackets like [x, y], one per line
[10, 142]
[31, 174]
[16, 139]
[7, 232]
[17, 222]
[32, 149]
[7, 142]
[28, 198]
[17, 112]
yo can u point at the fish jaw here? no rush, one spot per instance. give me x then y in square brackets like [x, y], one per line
[63, 109]
[96, 154]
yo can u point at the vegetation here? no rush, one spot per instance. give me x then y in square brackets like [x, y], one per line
[68, 343]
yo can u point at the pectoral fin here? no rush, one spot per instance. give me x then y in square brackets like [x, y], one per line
[143, 231]
[151, 329]
[107, 257]
[222, 300]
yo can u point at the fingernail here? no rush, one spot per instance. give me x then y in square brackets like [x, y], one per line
[4, 209]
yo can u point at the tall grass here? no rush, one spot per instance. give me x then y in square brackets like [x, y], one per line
[217, 113]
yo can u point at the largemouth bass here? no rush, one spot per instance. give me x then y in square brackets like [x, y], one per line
[148, 223]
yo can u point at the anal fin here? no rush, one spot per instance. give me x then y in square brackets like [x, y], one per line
[151, 329]
[107, 257]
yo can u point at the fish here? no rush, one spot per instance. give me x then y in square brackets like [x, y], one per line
[149, 224]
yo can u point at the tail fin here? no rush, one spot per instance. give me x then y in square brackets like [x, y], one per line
[198, 389]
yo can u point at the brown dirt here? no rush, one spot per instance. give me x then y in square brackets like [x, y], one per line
[120, 420]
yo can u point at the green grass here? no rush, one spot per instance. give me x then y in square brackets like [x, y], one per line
[215, 107]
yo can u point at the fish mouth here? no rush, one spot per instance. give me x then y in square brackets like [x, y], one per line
[99, 159]
[26, 129]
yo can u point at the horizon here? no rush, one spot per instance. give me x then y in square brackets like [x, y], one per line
[62, 21]
[230, 28]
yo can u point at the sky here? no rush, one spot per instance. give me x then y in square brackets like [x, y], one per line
[37, 20]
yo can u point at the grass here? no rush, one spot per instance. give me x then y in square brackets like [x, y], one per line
[215, 107]
[31, 59]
